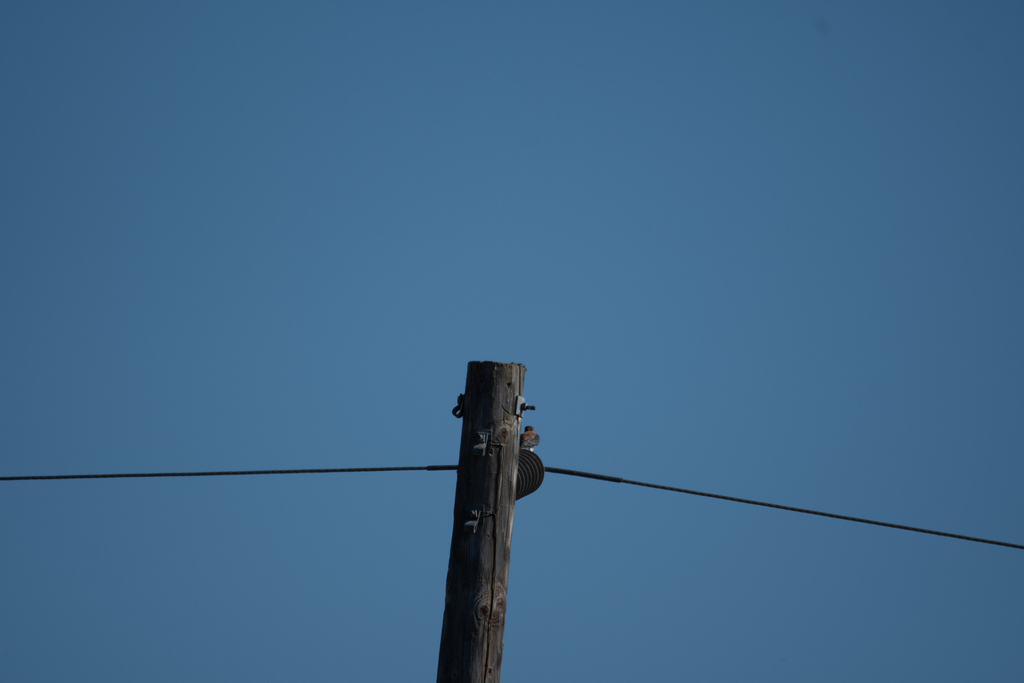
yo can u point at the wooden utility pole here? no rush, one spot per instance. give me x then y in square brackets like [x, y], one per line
[473, 630]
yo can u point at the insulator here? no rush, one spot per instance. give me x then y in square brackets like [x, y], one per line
[530, 473]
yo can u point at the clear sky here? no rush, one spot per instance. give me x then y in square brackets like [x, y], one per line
[770, 250]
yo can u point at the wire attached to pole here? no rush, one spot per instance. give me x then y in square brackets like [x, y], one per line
[554, 470]
[143, 475]
[861, 520]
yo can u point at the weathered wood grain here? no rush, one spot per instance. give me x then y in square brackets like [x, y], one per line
[473, 629]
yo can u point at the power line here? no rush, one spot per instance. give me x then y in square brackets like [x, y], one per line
[620, 480]
[555, 470]
[139, 475]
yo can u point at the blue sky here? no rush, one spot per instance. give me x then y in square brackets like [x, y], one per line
[770, 250]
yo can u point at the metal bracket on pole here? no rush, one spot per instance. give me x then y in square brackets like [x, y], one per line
[522, 406]
[483, 440]
[475, 515]
[486, 444]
